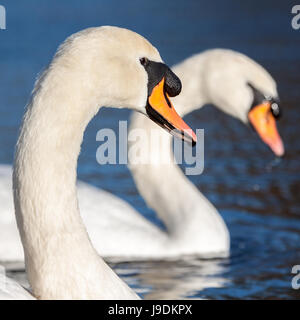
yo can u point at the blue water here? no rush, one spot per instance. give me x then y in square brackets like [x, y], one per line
[257, 195]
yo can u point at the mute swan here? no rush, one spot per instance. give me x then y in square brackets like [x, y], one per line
[238, 86]
[194, 226]
[95, 67]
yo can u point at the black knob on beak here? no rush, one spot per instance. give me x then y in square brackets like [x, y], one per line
[172, 83]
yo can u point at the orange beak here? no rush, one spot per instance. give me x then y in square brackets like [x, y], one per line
[162, 112]
[265, 124]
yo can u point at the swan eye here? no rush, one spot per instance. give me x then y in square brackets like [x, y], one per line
[144, 61]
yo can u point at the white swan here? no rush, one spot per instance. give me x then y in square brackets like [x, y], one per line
[100, 211]
[11, 290]
[95, 67]
[227, 79]
[238, 86]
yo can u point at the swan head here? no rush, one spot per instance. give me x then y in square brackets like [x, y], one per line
[116, 67]
[242, 88]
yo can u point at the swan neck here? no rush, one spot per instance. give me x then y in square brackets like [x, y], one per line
[164, 186]
[60, 260]
[192, 75]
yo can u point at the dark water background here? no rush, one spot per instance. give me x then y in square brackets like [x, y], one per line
[257, 195]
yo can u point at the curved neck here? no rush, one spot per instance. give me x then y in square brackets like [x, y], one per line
[60, 260]
[192, 75]
[164, 186]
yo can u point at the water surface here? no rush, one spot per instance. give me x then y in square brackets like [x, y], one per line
[257, 195]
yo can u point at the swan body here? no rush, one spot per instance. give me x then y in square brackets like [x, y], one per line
[101, 212]
[11, 290]
[106, 66]
[194, 227]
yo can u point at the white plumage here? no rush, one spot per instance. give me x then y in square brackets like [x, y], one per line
[116, 229]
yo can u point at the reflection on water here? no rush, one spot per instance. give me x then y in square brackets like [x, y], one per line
[173, 280]
[257, 195]
[264, 249]
[164, 279]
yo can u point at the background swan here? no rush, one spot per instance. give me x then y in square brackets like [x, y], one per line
[217, 76]
[11, 290]
[95, 67]
[238, 86]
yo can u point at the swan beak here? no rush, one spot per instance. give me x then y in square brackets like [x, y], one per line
[161, 111]
[264, 123]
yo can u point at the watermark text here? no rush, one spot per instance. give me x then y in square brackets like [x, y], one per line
[154, 147]
[2, 18]
[296, 278]
[296, 19]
